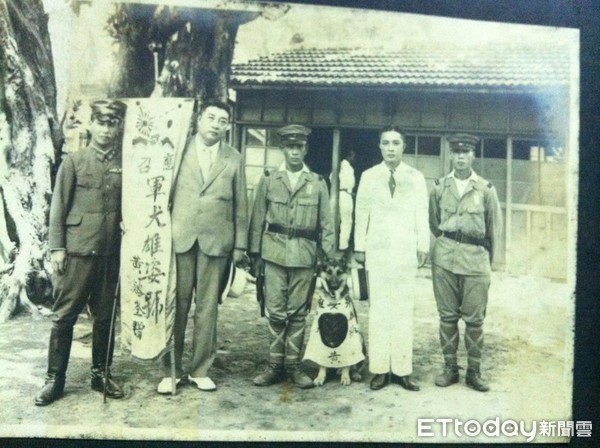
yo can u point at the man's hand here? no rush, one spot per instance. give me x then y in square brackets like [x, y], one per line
[238, 255]
[257, 264]
[58, 260]
[421, 258]
[359, 257]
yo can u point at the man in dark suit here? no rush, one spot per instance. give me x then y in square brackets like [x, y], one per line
[84, 240]
[209, 225]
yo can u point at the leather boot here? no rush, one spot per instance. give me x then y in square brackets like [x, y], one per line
[99, 378]
[273, 374]
[298, 376]
[51, 391]
[100, 344]
[474, 381]
[294, 341]
[59, 350]
[448, 377]
[474, 346]
[274, 371]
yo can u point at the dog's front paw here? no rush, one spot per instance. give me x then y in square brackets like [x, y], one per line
[345, 377]
[356, 376]
[320, 379]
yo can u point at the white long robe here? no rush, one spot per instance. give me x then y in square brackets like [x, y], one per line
[390, 230]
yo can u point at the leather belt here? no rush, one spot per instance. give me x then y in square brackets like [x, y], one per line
[466, 239]
[292, 232]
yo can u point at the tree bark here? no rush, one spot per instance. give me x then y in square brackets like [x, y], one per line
[30, 138]
[194, 48]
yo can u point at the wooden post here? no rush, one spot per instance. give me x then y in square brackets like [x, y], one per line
[335, 184]
[508, 220]
[528, 234]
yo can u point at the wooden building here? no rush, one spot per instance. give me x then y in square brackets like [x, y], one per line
[516, 99]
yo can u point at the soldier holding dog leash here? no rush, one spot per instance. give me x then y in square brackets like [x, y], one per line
[290, 221]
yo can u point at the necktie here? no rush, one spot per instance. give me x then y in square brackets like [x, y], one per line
[205, 162]
[392, 182]
[208, 155]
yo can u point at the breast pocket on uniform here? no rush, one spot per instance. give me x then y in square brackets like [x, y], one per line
[475, 214]
[87, 183]
[277, 203]
[116, 180]
[306, 215]
[448, 211]
[73, 220]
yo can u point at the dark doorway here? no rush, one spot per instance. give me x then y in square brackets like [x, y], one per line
[320, 150]
[365, 144]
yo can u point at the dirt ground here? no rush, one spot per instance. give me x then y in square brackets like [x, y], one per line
[527, 362]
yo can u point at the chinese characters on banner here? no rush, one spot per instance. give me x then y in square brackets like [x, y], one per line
[155, 130]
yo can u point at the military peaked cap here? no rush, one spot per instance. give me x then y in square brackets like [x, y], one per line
[293, 133]
[463, 142]
[108, 110]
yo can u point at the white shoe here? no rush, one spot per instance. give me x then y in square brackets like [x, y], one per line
[164, 387]
[204, 383]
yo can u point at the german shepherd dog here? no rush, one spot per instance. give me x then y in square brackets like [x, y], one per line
[335, 340]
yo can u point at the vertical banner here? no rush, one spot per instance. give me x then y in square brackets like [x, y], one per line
[155, 130]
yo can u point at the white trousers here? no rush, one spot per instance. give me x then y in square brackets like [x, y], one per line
[391, 306]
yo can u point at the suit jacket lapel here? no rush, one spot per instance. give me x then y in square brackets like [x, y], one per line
[178, 158]
[217, 167]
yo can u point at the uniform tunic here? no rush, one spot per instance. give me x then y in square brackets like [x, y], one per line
[304, 206]
[476, 213]
[84, 219]
[390, 230]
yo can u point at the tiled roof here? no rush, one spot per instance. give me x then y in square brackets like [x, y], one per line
[413, 66]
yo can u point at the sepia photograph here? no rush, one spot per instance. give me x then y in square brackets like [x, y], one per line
[277, 222]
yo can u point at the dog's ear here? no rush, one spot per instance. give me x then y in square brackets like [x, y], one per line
[344, 261]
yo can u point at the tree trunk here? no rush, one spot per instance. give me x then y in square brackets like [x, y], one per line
[29, 140]
[193, 47]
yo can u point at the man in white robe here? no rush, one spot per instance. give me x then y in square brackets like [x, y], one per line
[347, 182]
[392, 236]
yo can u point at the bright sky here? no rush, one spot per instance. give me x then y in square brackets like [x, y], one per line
[82, 48]
[334, 27]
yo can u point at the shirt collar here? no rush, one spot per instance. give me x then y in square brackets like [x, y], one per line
[399, 167]
[102, 155]
[200, 144]
[472, 177]
[303, 170]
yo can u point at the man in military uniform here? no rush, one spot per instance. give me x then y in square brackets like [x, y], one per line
[465, 217]
[84, 240]
[290, 221]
